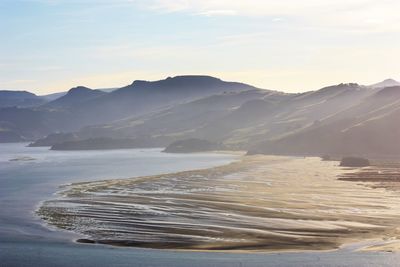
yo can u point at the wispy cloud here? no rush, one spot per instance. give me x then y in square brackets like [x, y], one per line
[218, 12]
[359, 14]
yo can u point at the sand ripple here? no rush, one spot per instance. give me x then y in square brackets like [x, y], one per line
[261, 203]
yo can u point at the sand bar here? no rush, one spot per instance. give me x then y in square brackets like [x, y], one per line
[261, 203]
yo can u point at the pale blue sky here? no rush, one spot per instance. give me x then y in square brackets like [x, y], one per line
[291, 45]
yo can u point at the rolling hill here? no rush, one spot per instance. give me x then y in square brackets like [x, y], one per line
[82, 106]
[337, 120]
[19, 99]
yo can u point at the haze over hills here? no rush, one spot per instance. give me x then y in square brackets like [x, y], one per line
[54, 96]
[386, 83]
[369, 127]
[82, 106]
[339, 119]
[239, 120]
[142, 96]
[14, 98]
[10, 98]
[75, 97]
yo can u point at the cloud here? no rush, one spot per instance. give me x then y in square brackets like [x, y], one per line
[269, 7]
[218, 13]
[360, 15]
[354, 15]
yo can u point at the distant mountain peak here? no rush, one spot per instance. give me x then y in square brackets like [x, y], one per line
[390, 80]
[138, 82]
[79, 89]
[17, 93]
[186, 83]
[385, 83]
[181, 78]
[337, 88]
[74, 96]
[10, 98]
[203, 77]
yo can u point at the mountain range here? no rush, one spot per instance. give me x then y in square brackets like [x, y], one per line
[341, 119]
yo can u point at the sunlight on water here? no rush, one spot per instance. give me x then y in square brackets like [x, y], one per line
[262, 203]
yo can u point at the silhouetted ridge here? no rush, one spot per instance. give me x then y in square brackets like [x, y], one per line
[338, 88]
[19, 98]
[75, 96]
[79, 90]
[16, 94]
[187, 82]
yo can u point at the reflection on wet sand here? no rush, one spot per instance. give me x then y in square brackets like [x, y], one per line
[261, 203]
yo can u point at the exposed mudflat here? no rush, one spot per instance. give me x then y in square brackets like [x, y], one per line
[262, 203]
[383, 174]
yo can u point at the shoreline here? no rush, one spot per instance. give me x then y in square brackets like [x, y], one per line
[101, 201]
[64, 187]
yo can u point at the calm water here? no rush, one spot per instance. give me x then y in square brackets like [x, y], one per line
[24, 241]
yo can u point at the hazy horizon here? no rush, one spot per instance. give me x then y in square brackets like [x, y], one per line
[54, 45]
[120, 86]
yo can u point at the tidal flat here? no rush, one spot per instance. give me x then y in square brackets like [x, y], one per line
[257, 204]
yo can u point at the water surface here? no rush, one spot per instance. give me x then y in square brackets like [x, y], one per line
[30, 175]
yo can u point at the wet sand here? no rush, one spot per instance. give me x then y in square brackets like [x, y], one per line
[382, 174]
[261, 203]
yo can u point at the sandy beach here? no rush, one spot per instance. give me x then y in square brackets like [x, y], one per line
[260, 203]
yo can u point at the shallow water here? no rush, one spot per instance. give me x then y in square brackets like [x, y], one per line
[24, 183]
[24, 241]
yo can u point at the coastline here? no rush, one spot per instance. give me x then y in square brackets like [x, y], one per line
[122, 204]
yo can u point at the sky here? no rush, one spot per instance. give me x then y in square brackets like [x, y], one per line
[289, 45]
